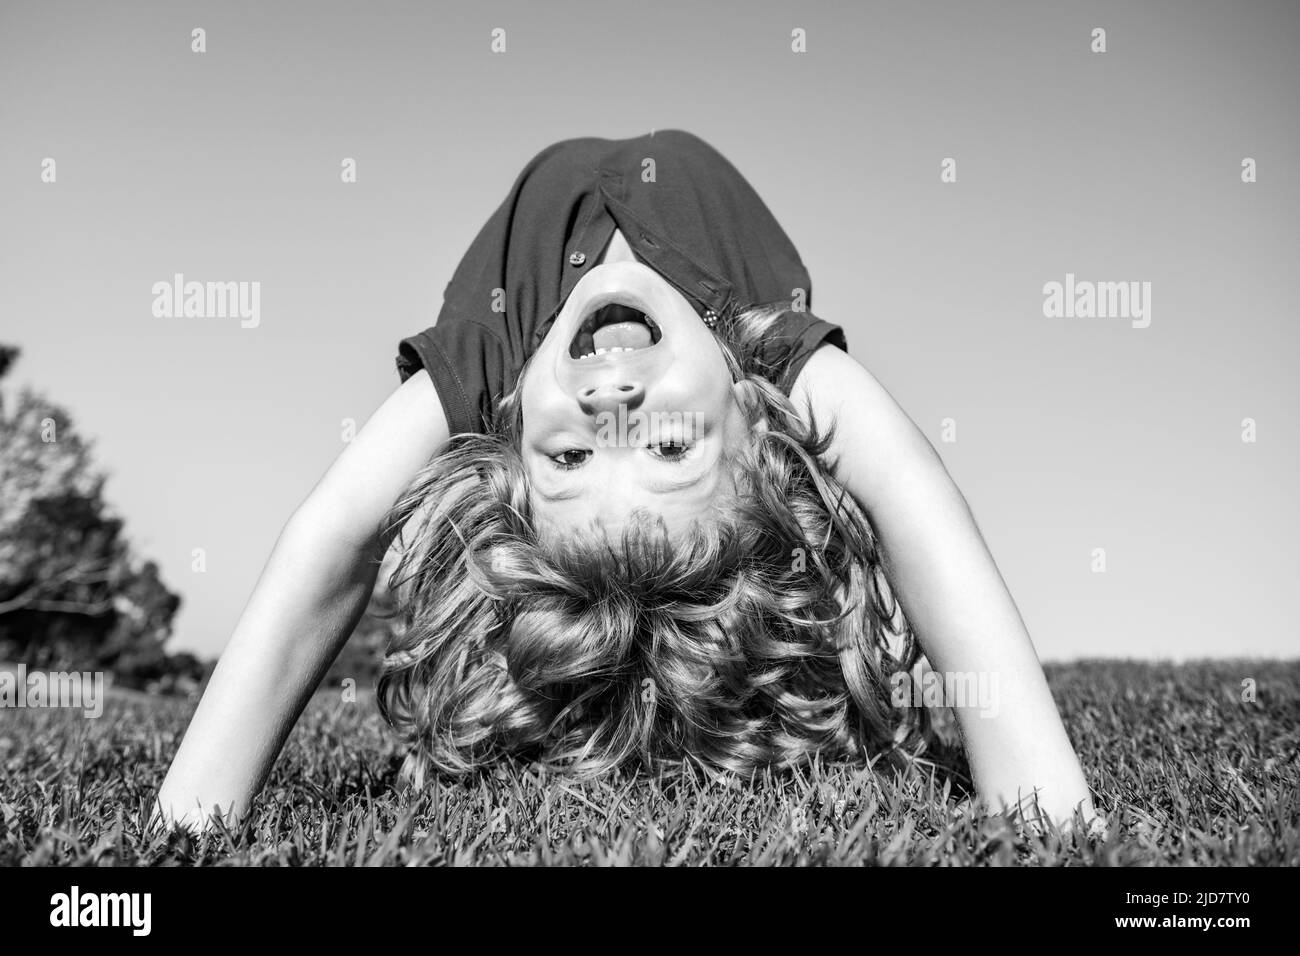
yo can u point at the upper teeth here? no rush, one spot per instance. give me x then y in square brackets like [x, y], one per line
[607, 351]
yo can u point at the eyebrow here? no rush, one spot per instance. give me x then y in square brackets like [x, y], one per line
[657, 487]
[678, 484]
[559, 495]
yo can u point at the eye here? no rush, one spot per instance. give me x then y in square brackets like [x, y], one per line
[670, 451]
[570, 458]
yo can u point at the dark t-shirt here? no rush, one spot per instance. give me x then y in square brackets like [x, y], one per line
[684, 210]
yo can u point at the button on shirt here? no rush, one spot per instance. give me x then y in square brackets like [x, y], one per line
[684, 210]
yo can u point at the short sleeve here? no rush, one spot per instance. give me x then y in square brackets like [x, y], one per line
[811, 337]
[791, 342]
[468, 365]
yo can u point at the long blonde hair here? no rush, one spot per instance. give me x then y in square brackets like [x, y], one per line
[760, 638]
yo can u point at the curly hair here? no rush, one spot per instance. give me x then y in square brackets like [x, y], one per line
[760, 637]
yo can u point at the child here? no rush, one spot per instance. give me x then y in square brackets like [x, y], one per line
[646, 504]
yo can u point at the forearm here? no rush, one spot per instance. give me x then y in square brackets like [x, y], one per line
[968, 624]
[305, 605]
[311, 594]
[949, 586]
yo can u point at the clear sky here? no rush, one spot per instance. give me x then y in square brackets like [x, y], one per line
[1073, 434]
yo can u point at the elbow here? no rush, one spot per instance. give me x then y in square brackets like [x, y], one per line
[325, 523]
[908, 473]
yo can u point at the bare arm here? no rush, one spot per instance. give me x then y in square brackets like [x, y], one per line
[949, 586]
[311, 594]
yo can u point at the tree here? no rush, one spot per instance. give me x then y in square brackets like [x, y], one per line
[72, 594]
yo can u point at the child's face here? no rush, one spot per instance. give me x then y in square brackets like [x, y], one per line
[621, 414]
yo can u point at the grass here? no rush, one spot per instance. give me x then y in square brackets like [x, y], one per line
[1185, 771]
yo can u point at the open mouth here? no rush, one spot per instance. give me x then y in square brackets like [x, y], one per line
[613, 328]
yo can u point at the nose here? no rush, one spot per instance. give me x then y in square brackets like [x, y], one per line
[607, 398]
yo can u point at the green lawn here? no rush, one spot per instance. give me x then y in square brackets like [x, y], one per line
[1186, 772]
